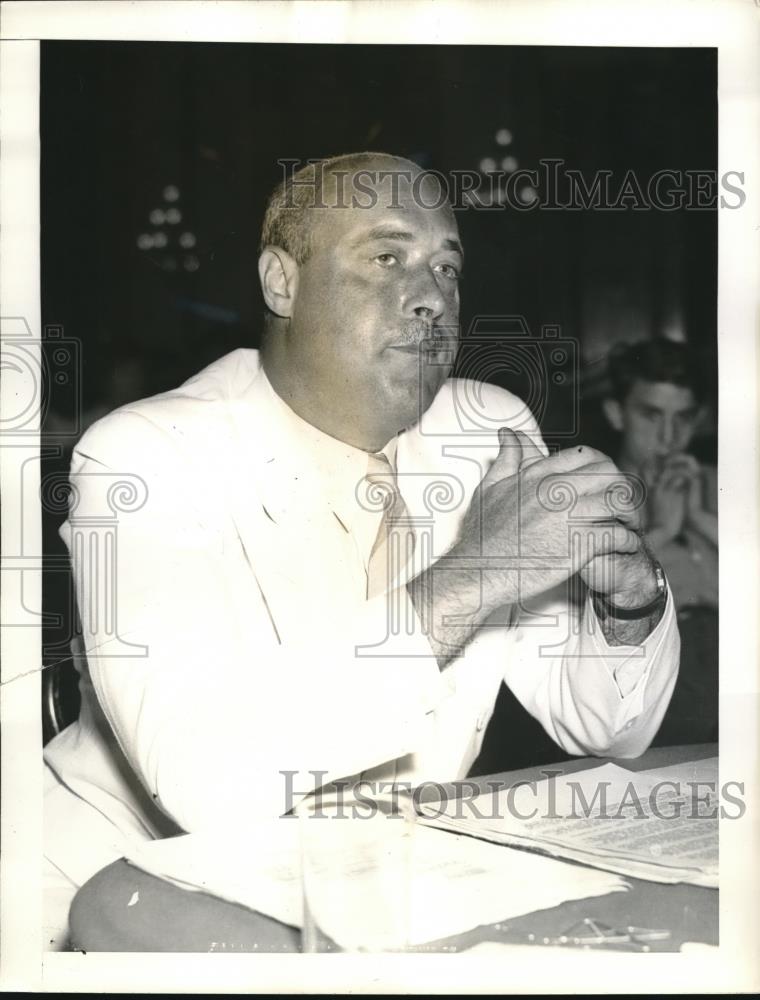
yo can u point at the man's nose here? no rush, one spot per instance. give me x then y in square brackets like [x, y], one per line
[667, 433]
[424, 298]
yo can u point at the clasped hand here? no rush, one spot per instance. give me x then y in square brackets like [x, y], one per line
[674, 495]
[534, 521]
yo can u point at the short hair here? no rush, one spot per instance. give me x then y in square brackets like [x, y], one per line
[657, 360]
[288, 218]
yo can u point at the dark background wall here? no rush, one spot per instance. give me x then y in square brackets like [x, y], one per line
[122, 122]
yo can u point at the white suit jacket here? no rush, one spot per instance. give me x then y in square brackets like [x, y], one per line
[228, 634]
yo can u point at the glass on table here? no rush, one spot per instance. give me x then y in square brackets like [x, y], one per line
[356, 874]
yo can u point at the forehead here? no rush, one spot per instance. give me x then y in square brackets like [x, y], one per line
[662, 396]
[385, 198]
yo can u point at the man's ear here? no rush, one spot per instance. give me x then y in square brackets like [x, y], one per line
[278, 274]
[613, 411]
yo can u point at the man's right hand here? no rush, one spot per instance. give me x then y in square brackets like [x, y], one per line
[519, 517]
[520, 514]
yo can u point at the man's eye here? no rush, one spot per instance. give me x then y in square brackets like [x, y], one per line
[386, 259]
[449, 271]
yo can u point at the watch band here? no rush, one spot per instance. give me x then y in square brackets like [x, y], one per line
[644, 610]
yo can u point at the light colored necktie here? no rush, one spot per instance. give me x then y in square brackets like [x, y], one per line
[394, 545]
[392, 551]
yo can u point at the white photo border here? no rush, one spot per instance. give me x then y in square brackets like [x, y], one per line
[733, 27]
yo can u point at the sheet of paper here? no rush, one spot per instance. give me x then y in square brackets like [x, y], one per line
[705, 770]
[660, 824]
[458, 882]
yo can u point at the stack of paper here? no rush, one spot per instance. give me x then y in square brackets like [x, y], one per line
[457, 882]
[660, 825]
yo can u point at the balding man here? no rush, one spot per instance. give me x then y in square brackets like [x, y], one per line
[333, 566]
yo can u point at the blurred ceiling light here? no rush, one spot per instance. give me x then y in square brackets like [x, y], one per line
[173, 216]
[209, 153]
[509, 163]
[145, 241]
[528, 194]
[157, 217]
[503, 137]
[187, 240]
[675, 333]
[487, 165]
[191, 262]
[159, 240]
[171, 192]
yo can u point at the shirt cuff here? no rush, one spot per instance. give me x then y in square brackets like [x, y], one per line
[629, 665]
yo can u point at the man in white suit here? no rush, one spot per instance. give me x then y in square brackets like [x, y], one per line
[270, 615]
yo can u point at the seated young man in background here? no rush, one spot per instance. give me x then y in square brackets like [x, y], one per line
[656, 403]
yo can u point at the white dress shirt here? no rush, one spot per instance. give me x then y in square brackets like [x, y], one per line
[243, 646]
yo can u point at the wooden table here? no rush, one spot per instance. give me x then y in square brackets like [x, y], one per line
[169, 919]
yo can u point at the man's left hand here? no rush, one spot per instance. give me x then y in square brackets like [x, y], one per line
[626, 580]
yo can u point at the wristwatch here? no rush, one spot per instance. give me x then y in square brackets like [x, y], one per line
[643, 611]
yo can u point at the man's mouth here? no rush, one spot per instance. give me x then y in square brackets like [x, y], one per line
[406, 348]
[420, 339]
[430, 352]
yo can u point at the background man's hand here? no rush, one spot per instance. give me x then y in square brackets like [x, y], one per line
[669, 487]
[698, 516]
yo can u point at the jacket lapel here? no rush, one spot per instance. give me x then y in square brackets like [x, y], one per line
[297, 549]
